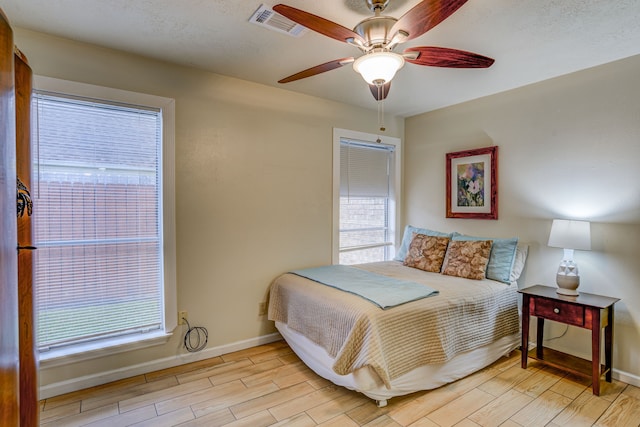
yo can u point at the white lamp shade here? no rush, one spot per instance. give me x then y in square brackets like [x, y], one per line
[569, 234]
[378, 67]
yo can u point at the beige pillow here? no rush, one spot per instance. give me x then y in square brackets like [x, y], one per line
[426, 252]
[467, 258]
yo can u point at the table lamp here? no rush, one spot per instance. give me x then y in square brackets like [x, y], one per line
[569, 235]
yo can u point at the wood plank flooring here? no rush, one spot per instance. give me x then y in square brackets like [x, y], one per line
[268, 385]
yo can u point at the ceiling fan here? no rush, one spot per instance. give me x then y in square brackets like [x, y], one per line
[377, 37]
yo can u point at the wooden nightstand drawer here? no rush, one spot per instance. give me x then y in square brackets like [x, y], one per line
[559, 311]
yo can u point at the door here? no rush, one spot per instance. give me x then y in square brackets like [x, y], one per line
[9, 350]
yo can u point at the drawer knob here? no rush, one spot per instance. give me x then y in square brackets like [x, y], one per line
[556, 310]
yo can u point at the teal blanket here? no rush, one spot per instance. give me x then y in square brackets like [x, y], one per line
[385, 292]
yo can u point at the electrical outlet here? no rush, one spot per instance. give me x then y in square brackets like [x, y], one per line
[181, 316]
[262, 308]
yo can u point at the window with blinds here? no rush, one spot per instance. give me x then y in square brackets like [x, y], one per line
[366, 196]
[98, 269]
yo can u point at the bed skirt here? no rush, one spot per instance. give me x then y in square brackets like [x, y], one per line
[367, 382]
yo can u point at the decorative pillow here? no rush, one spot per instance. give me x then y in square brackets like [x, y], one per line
[467, 258]
[426, 252]
[407, 237]
[503, 254]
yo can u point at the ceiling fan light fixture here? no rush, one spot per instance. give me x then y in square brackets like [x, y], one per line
[378, 67]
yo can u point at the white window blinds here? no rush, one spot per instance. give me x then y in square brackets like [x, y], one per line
[366, 184]
[365, 169]
[97, 219]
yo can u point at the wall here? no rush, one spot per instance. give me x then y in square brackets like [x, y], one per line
[568, 148]
[253, 190]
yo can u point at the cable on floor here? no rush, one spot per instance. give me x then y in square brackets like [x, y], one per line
[195, 339]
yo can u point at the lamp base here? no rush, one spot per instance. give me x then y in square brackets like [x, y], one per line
[567, 292]
[567, 285]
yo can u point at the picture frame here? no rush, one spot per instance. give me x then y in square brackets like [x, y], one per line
[472, 183]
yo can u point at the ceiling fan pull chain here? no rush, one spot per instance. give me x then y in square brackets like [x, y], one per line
[381, 107]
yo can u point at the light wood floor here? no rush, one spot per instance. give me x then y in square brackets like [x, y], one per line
[269, 385]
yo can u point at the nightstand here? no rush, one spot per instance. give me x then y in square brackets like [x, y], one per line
[588, 311]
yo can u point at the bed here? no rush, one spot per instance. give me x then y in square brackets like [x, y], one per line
[465, 325]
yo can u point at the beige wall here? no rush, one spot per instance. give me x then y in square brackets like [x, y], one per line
[253, 185]
[568, 148]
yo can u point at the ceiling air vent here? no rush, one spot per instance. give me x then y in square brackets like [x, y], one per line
[266, 17]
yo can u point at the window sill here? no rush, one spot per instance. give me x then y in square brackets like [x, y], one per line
[87, 351]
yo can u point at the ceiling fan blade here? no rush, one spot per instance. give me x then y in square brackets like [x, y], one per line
[317, 24]
[327, 66]
[380, 93]
[447, 57]
[426, 15]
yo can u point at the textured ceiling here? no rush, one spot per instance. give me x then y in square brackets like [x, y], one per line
[531, 40]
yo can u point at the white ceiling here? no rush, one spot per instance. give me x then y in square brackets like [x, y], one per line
[531, 40]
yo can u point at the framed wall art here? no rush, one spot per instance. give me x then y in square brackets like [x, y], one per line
[472, 183]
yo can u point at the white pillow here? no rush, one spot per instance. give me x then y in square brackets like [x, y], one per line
[518, 262]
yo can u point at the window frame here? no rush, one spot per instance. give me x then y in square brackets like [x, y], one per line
[395, 201]
[78, 352]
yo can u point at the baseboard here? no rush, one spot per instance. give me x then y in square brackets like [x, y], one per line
[99, 378]
[625, 377]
